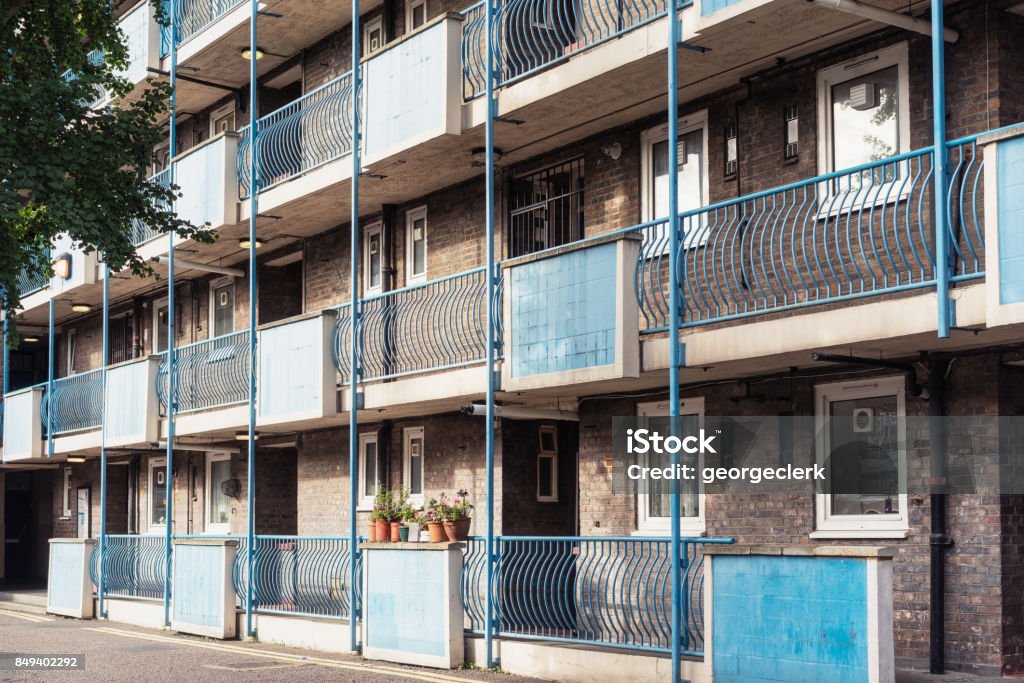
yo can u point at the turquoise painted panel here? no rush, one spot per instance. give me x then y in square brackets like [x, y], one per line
[789, 619]
[1010, 179]
[291, 368]
[563, 312]
[64, 589]
[198, 588]
[406, 601]
[711, 6]
[405, 91]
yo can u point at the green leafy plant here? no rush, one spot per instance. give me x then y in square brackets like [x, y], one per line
[443, 509]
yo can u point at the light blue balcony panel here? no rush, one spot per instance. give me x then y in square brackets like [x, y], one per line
[1011, 216]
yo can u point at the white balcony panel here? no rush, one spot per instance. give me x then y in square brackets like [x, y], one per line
[142, 37]
[296, 375]
[208, 182]
[23, 428]
[131, 405]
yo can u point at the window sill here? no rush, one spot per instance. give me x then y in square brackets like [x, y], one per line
[859, 533]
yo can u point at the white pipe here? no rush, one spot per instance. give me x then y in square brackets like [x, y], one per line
[886, 17]
[192, 265]
[514, 413]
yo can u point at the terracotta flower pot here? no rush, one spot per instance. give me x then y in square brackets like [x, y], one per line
[383, 532]
[396, 532]
[371, 532]
[437, 534]
[457, 530]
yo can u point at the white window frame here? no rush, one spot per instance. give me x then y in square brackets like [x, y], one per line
[894, 525]
[66, 493]
[369, 27]
[366, 502]
[220, 113]
[551, 455]
[72, 350]
[408, 434]
[150, 498]
[372, 229]
[662, 526]
[157, 305]
[831, 203]
[411, 217]
[209, 526]
[409, 7]
[214, 285]
[698, 120]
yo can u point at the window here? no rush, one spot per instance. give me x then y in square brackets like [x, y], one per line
[370, 474]
[160, 327]
[415, 14]
[546, 208]
[158, 486]
[218, 502]
[373, 245]
[416, 241]
[222, 306]
[547, 465]
[654, 505]
[121, 339]
[692, 161]
[373, 36]
[863, 116]
[862, 448]
[66, 494]
[72, 346]
[161, 158]
[222, 120]
[412, 463]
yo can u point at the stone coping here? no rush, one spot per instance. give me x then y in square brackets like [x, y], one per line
[447, 545]
[804, 550]
[1004, 134]
[84, 541]
[205, 541]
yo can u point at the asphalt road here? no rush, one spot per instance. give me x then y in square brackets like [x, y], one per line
[116, 652]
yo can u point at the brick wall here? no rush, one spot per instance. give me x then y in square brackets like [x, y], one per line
[88, 474]
[522, 512]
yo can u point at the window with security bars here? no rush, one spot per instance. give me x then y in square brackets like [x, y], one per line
[546, 208]
[121, 340]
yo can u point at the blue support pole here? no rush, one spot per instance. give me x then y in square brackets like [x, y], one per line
[940, 168]
[7, 356]
[103, 441]
[353, 423]
[491, 337]
[254, 193]
[172, 370]
[673, 327]
[50, 351]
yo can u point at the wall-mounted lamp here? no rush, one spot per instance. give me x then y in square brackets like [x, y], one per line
[244, 243]
[247, 53]
[731, 151]
[791, 117]
[76, 458]
[62, 266]
[612, 151]
[30, 339]
[81, 308]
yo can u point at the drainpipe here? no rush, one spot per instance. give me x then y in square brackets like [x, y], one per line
[254, 193]
[137, 327]
[939, 540]
[388, 280]
[353, 409]
[172, 370]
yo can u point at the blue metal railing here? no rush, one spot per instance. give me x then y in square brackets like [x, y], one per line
[299, 575]
[95, 58]
[859, 232]
[210, 374]
[76, 403]
[613, 591]
[309, 132]
[30, 283]
[133, 566]
[530, 35]
[193, 17]
[142, 233]
[431, 326]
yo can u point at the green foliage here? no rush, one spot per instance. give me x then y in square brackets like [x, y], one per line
[65, 168]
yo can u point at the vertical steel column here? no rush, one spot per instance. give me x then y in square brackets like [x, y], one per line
[49, 382]
[103, 439]
[7, 356]
[353, 423]
[673, 327]
[940, 168]
[491, 337]
[172, 370]
[254, 192]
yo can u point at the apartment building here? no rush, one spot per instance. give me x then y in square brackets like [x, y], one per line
[808, 215]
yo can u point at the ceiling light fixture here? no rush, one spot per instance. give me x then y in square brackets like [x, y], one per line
[247, 53]
[244, 243]
[81, 308]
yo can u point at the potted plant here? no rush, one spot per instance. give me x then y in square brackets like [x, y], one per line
[396, 513]
[435, 522]
[410, 528]
[453, 515]
[383, 506]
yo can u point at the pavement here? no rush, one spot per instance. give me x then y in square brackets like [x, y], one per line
[117, 652]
